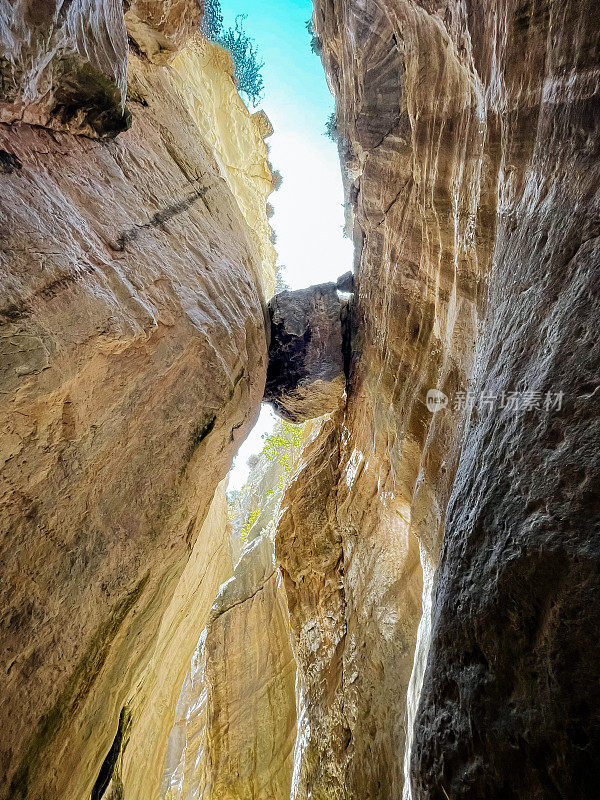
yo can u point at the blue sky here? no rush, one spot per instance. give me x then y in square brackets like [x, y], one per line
[309, 206]
[309, 213]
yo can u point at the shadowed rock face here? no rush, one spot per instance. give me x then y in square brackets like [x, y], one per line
[510, 706]
[305, 376]
[64, 65]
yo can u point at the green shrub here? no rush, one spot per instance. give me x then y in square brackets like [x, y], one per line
[245, 60]
[212, 20]
[281, 285]
[247, 67]
[247, 526]
[331, 127]
[316, 45]
[276, 176]
[278, 446]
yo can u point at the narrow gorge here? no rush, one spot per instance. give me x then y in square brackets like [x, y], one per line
[402, 602]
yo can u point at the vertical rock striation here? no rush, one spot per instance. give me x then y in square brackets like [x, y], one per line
[510, 706]
[235, 724]
[133, 362]
[419, 175]
[468, 135]
[63, 65]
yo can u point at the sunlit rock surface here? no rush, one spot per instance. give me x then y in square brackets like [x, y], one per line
[161, 27]
[134, 358]
[468, 137]
[443, 616]
[254, 509]
[235, 724]
[369, 503]
[305, 376]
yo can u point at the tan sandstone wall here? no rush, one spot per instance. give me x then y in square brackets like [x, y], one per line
[134, 355]
[468, 140]
[235, 723]
[368, 504]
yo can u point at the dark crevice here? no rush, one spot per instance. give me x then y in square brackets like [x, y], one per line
[108, 765]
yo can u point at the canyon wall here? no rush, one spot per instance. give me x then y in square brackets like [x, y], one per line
[235, 724]
[133, 283]
[468, 135]
[510, 706]
[431, 631]
[368, 505]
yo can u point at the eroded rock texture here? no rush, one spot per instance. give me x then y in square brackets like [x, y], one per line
[161, 27]
[235, 724]
[368, 504]
[133, 361]
[305, 376]
[64, 65]
[468, 137]
[510, 706]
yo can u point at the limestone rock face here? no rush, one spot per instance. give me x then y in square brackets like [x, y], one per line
[134, 358]
[510, 705]
[139, 766]
[368, 502]
[468, 137]
[250, 677]
[235, 723]
[305, 376]
[64, 65]
[309, 550]
[161, 27]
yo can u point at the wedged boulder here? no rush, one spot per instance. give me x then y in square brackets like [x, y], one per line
[305, 376]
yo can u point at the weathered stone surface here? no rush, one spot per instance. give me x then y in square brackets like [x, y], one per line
[309, 550]
[134, 361]
[203, 72]
[236, 723]
[139, 767]
[468, 138]
[250, 678]
[161, 27]
[305, 376]
[64, 65]
[510, 706]
[412, 146]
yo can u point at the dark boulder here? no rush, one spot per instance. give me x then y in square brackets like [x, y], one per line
[305, 376]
